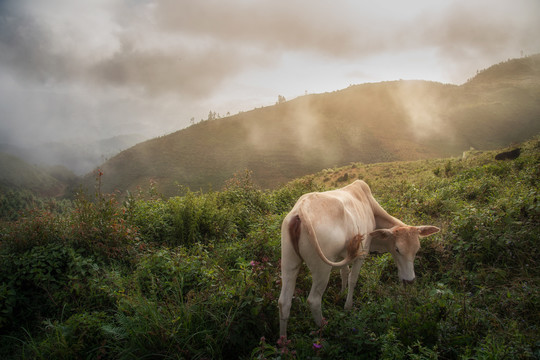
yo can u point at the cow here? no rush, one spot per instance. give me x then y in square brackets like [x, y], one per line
[346, 224]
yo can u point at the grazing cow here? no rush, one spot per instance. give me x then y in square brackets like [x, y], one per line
[342, 224]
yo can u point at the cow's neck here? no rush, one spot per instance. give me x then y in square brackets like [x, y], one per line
[383, 220]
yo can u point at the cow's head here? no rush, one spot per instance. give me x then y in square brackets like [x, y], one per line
[403, 242]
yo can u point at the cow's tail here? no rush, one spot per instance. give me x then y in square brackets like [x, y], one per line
[353, 245]
[294, 233]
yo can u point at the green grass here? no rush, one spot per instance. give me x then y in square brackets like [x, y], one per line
[197, 275]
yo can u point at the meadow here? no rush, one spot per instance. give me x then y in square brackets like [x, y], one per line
[197, 275]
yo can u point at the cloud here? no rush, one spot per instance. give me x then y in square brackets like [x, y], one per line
[354, 29]
[183, 71]
[145, 65]
[192, 47]
[296, 25]
[484, 29]
[128, 54]
[424, 105]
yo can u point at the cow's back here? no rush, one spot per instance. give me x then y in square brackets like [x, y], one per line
[336, 217]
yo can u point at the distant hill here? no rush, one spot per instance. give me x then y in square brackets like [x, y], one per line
[79, 155]
[376, 122]
[16, 174]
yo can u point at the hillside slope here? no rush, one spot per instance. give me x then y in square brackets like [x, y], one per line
[378, 122]
[78, 155]
[43, 181]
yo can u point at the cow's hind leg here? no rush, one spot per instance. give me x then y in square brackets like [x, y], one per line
[344, 271]
[320, 277]
[353, 278]
[289, 273]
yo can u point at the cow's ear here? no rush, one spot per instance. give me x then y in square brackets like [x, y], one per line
[380, 241]
[427, 230]
[381, 234]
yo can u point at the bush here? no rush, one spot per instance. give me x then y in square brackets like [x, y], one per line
[168, 274]
[41, 282]
[80, 334]
[100, 228]
[201, 218]
[36, 228]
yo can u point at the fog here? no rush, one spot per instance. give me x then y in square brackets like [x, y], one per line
[424, 109]
[93, 70]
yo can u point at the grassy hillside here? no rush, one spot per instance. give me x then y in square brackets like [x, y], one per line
[16, 174]
[24, 186]
[369, 123]
[197, 276]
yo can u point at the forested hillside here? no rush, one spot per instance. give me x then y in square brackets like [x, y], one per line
[197, 276]
[18, 175]
[389, 121]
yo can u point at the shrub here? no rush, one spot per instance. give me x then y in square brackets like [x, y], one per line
[41, 282]
[36, 228]
[167, 274]
[80, 334]
[100, 228]
[152, 219]
[201, 218]
[244, 201]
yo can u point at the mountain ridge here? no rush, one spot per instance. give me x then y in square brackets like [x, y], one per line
[373, 122]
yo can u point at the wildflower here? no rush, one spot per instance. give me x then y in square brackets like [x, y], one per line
[324, 322]
[282, 341]
[283, 344]
[317, 345]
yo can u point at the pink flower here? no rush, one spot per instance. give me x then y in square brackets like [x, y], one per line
[317, 345]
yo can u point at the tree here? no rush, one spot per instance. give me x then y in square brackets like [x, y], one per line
[281, 99]
[212, 115]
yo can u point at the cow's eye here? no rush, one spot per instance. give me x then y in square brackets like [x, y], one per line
[397, 250]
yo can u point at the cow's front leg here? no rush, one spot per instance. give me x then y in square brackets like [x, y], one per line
[320, 279]
[353, 278]
[344, 271]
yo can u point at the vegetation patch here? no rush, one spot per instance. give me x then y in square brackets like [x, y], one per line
[197, 275]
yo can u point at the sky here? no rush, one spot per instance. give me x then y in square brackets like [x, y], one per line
[74, 70]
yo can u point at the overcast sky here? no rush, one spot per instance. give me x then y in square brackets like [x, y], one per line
[72, 69]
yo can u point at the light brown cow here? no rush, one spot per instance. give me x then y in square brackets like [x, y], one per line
[342, 224]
